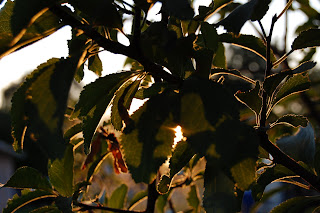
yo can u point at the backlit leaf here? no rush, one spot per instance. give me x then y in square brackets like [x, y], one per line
[193, 198]
[292, 120]
[164, 184]
[271, 82]
[248, 42]
[295, 84]
[233, 72]
[27, 196]
[95, 64]
[305, 66]
[219, 58]
[94, 100]
[244, 173]
[148, 142]
[210, 36]
[298, 204]
[39, 105]
[94, 167]
[61, 173]
[308, 38]
[252, 98]
[28, 178]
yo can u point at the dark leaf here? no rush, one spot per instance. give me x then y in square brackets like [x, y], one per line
[148, 92]
[30, 178]
[95, 166]
[137, 198]
[308, 38]
[244, 173]
[248, 42]
[39, 105]
[72, 131]
[61, 173]
[64, 204]
[47, 209]
[164, 184]
[300, 146]
[252, 99]
[271, 83]
[292, 120]
[233, 72]
[305, 66]
[210, 36]
[219, 58]
[26, 197]
[94, 100]
[260, 9]
[298, 204]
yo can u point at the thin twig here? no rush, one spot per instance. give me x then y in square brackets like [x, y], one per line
[152, 197]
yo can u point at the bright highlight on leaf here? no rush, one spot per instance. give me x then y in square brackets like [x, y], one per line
[178, 136]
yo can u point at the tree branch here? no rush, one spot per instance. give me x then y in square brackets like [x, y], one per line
[152, 197]
[114, 47]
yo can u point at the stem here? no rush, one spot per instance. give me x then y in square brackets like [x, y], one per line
[114, 47]
[152, 197]
[85, 207]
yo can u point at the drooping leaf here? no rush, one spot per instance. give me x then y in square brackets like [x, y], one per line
[26, 197]
[308, 38]
[61, 173]
[292, 120]
[117, 199]
[148, 142]
[94, 100]
[252, 99]
[12, 22]
[28, 178]
[39, 105]
[297, 83]
[300, 146]
[122, 101]
[298, 204]
[95, 64]
[193, 198]
[248, 42]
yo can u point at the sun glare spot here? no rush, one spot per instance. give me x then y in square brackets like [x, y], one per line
[178, 136]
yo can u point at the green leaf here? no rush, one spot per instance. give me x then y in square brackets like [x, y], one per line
[193, 198]
[219, 59]
[26, 197]
[180, 9]
[148, 142]
[252, 98]
[300, 146]
[148, 92]
[292, 120]
[122, 101]
[12, 22]
[161, 202]
[38, 106]
[308, 38]
[27, 177]
[297, 83]
[61, 173]
[249, 42]
[244, 173]
[298, 204]
[118, 197]
[99, 12]
[94, 100]
[95, 64]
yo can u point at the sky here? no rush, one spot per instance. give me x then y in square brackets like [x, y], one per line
[22, 62]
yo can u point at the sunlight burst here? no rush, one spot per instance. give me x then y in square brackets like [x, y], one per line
[178, 136]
